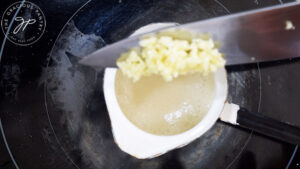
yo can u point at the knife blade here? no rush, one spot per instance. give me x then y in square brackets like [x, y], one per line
[254, 36]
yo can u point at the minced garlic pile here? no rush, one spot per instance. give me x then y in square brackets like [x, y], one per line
[170, 54]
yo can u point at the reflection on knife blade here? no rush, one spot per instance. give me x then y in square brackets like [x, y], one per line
[258, 33]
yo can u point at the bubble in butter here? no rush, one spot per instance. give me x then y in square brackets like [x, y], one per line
[170, 54]
[165, 108]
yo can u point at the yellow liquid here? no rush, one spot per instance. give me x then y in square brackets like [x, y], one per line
[165, 108]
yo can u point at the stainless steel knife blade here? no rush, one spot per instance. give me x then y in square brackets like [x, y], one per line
[253, 36]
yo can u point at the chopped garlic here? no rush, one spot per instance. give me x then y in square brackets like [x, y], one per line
[289, 25]
[170, 54]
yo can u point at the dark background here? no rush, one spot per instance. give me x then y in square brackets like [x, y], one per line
[38, 129]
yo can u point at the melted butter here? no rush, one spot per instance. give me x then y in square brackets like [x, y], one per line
[165, 108]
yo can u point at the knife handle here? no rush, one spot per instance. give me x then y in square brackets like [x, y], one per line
[268, 126]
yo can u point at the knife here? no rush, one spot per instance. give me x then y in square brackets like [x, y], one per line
[260, 35]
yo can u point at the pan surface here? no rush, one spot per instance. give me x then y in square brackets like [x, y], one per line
[62, 106]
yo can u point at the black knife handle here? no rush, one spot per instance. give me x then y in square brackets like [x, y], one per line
[268, 126]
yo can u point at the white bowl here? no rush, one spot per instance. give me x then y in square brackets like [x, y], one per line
[141, 144]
